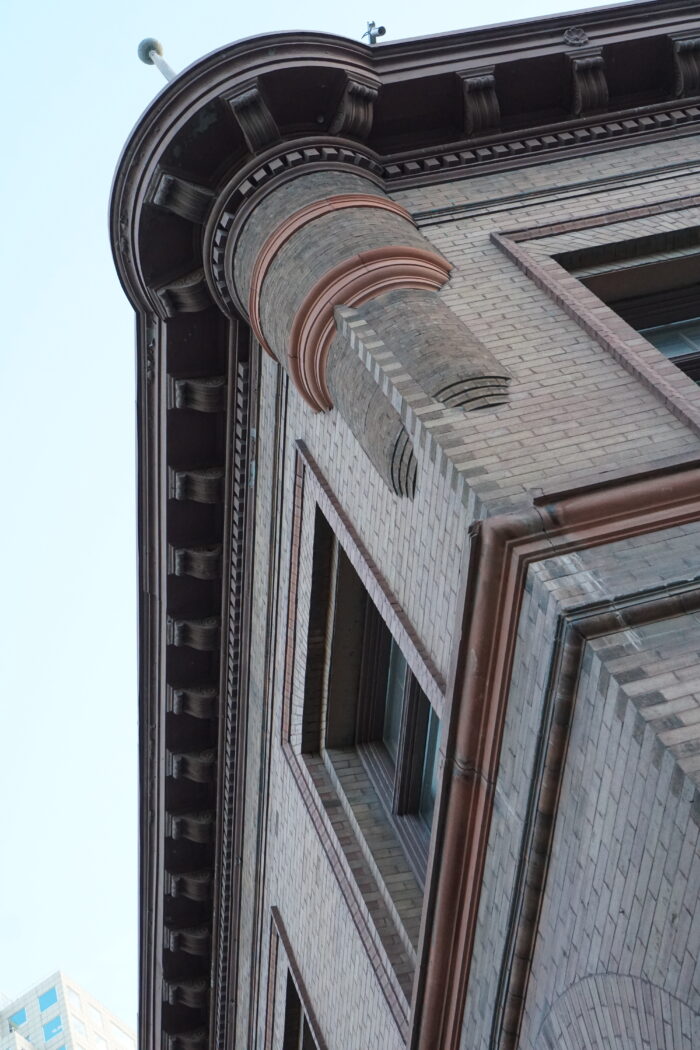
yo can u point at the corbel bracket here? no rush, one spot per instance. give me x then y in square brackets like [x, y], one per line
[590, 87]
[253, 115]
[686, 61]
[355, 112]
[481, 110]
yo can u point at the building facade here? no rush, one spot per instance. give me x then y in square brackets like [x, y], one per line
[59, 1015]
[420, 521]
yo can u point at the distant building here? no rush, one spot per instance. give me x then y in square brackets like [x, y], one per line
[57, 1014]
[419, 468]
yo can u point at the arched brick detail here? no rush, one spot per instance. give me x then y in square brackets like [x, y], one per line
[618, 1012]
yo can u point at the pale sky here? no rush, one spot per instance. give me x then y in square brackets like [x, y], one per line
[72, 88]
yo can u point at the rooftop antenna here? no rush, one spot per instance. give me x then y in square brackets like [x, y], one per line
[373, 31]
[151, 52]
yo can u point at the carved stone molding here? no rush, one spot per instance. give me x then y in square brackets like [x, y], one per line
[203, 394]
[686, 60]
[197, 634]
[186, 295]
[352, 283]
[181, 197]
[195, 827]
[239, 195]
[199, 766]
[253, 115]
[204, 563]
[194, 885]
[198, 702]
[481, 110]
[291, 225]
[590, 88]
[515, 149]
[195, 940]
[194, 1040]
[356, 108]
[193, 994]
[201, 486]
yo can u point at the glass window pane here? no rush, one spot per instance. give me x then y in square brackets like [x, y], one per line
[47, 999]
[94, 1016]
[18, 1018]
[53, 1028]
[78, 1025]
[73, 998]
[674, 340]
[395, 687]
[428, 787]
[100, 1042]
[119, 1035]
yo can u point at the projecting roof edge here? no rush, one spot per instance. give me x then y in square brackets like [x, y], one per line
[290, 88]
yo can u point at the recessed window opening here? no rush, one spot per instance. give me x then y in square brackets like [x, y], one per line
[652, 283]
[297, 1030]
[367, 702]
[680, 343]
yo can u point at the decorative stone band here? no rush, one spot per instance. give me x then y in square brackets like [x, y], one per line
[353, 282]
[289, 227]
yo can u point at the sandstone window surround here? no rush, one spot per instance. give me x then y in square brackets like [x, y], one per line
[357, 830]
[297, 1030]
[652, 283]
[299, 1024]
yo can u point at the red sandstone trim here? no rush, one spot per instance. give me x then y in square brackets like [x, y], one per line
[351, 283]
[279, 237]
[502, 549]
[620, 340]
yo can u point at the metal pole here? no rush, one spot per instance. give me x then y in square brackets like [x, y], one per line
[151, 52]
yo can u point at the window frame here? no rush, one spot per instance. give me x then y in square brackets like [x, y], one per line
[362, 698]
[649, 292]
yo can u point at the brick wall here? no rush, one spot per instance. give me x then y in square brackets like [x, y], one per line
[574, 413]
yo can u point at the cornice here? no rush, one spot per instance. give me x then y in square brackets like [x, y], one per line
[277, 98]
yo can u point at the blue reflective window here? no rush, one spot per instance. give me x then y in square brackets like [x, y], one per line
[52, 1028]
[19, 1018]
[47, 999]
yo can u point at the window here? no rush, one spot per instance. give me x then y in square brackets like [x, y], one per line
[78, 1025]
[680, 343]
[120, 1036]
[396, 736]
[47, 999]
[53, 1028]
[652, 283]
[18, 1018]
[297, 1031]
[100, 1042]
[94, 1016]
[371, 704]
[73, 999]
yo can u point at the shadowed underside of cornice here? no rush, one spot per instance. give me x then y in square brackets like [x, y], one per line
[413, 112]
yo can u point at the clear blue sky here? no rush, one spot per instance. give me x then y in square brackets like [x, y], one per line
[72, 88]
